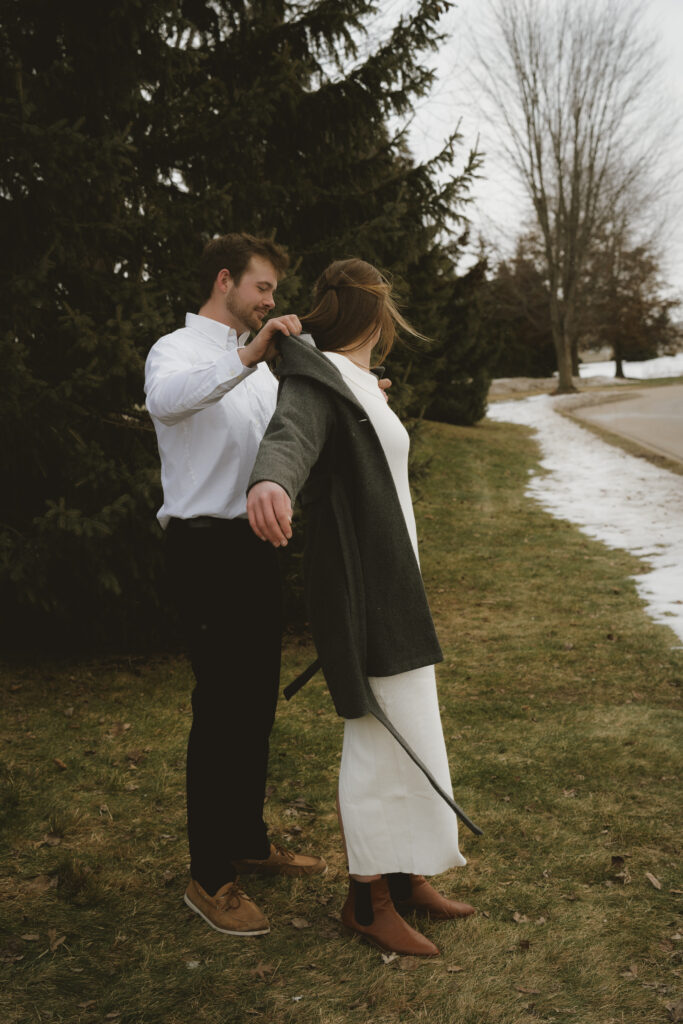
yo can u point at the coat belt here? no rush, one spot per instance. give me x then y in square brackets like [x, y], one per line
[376, 711]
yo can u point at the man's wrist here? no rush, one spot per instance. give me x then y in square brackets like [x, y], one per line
[247, 357]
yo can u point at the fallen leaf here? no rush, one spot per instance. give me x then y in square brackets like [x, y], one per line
[87, 1003]
[297, 999]
[113, 1015]
[528, 991]
[524, 944]
[30, 937]
[192, 965]
[675, 1010]
[454, 969]
[540, 920]
[624, 876]
[300, 922]
[653, 880]
[409, 963]
[54, 941]
[519, 918]
[41, 883]
[60, 764]
[302, 804]
[388, 958]
[569, 793]
[262, 970]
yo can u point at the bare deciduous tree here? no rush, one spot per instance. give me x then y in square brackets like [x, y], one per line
[569, 80]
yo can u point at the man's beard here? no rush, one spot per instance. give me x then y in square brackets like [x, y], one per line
[246, 315]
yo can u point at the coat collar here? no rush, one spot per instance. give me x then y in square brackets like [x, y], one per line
[301, 358]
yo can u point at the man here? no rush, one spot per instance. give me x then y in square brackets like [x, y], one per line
[210, 397]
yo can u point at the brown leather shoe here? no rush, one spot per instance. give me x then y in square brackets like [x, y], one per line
[387, 930]
[230, 911]
[282, 862]
[424, 899]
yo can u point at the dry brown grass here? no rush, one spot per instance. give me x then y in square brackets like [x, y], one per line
[559, 704]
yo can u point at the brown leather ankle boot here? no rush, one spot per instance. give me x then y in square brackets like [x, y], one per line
[368, 910]
[413, 892]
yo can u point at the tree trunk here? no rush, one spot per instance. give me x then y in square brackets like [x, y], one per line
[575, 356]
[618, 359]
[563, 350]
[565, 383]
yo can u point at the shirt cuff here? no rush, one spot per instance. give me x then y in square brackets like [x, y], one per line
[230, 369]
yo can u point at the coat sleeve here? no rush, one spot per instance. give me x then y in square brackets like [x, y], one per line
[296, 435]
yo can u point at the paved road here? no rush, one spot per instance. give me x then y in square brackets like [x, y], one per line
[653, 418]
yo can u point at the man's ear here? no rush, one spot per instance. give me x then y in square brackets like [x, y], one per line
[224, 279]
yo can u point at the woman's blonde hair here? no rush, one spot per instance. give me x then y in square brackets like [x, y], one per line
[352, 299]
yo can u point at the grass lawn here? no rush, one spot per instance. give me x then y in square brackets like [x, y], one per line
[559, 701]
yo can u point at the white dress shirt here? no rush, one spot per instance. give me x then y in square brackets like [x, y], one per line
[210, 413]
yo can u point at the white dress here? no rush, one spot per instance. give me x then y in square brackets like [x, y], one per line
[392, 818]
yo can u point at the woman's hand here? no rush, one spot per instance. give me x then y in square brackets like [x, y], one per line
[270, 512]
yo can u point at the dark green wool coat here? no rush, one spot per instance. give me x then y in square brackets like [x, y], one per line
[364, 592]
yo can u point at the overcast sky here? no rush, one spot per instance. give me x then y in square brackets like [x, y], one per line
[499, 205]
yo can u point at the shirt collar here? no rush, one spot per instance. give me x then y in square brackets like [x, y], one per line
[225, 336]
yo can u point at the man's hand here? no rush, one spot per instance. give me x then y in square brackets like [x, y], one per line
[263, 345]
[270, 512]
[385, 384]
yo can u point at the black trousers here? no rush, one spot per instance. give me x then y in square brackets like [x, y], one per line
[227, 587]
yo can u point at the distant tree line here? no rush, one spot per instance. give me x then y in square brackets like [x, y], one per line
[625, 308]
[572, 87]
[132, 133]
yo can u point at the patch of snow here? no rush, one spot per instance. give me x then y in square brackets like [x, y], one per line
[662, 366]
[616, 498]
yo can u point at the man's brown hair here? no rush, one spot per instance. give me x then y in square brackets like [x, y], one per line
[232, 252]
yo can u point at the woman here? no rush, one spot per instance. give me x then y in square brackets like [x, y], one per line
[334, 440]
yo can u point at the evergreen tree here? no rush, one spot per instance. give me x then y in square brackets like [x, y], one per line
[627, 307]
[465, 351]
[133, 133]
[517, 314]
